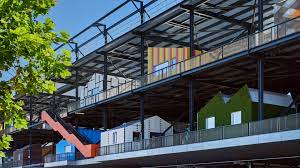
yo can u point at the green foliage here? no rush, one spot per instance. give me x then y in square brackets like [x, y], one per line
[26, 52]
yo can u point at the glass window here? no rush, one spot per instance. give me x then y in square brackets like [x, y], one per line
[210, 122]
[173, 64]
[68, 149]
[161, 68]
[19, 156]
[95, 91]
[115, 140]
[236, 117]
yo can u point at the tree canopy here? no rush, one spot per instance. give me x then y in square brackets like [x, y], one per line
[27, 38]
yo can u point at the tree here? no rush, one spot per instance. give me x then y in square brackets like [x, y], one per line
[26, 40]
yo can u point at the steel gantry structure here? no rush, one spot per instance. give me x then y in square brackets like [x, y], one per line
[118, 48]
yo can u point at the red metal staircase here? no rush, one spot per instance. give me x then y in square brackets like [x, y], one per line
[70, 134]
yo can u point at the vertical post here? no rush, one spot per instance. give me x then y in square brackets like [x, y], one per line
[105, 112]
[30, 129]
[142, 12]
[142, 116]
[191, 32]
[76, 123]
[76, 74]
[142, 59]
[191, 106]
[260, 68]
[105, 119]
[142, 48]
[260, 15]
[105, 64]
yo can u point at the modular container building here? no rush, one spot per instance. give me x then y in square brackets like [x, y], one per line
[21, 156]
[67, 151]
[131, 131]
[242, 107]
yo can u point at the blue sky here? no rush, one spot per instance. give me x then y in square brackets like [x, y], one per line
[74, 15]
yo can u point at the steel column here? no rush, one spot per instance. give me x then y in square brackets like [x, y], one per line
[142, 48]
[191, 97]
[142, 12]
[142, 58]
[142, 116]
[191, 106]
[105, 66]
[142, 98]
[105, 119]
[260, 82]
[260, 15]
[76, 72]
[191, 31]
[105, 63]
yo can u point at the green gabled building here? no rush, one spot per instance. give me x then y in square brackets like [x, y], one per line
[242, 107]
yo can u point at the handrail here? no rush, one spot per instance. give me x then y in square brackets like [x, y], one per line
[68, 127]
[246, 43]
[272, 125]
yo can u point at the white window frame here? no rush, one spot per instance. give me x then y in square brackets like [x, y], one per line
[68, 149]
[19, 156]
[161, 68]
[236, 117]
[210, 122]
[115, 137]
[173, 63]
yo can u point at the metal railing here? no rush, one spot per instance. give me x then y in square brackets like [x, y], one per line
[26, 163]
[63, 157]
[12, 129]
[286, 123]
[240, 45]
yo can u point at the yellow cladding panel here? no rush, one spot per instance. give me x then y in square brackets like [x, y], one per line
[158, 56]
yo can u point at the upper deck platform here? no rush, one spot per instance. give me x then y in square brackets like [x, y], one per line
[221, 29]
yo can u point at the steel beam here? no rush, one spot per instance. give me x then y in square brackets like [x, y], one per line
[170, 40]
[234, 21]
[260, 74]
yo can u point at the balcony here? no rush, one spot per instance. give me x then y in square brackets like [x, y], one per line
[244, 44]
[280, 124]
[232, 136]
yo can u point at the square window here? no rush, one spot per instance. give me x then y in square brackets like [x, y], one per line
[68, 149]
[210, 122]
[236, 117]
